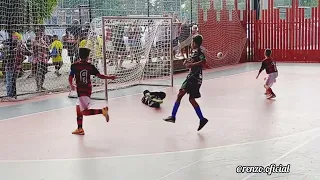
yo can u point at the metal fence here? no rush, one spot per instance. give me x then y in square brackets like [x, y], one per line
[34, 71]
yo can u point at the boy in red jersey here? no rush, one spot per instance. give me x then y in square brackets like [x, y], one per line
[270, 66]
[82, 70]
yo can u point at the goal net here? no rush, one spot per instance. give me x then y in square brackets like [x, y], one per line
[137, 50]
[229, 35]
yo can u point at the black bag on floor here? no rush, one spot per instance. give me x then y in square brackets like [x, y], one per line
[153, 99]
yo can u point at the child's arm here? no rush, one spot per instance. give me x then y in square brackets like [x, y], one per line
[190, 65]
[102, 76]
[71, 83]
[71, 76]
[96, 72]
[201, 62]
[261, 69]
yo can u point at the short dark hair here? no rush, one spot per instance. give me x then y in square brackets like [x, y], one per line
[84, 53]
[268, 52]
[197, 40]
[55, 36]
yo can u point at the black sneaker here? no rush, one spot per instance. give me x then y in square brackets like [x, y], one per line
[202, 123]
[170, 119]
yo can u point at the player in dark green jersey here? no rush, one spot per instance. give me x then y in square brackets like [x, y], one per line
[193, 82]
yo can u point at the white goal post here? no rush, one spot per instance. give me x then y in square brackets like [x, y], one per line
[138, 50]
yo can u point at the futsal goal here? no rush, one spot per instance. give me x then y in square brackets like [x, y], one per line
[137, 50]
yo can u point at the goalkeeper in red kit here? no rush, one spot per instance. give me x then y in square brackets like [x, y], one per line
[269, 64]
[82, 70]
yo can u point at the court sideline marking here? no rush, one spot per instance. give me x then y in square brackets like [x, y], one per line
[249, 176]
[285, 154]
[130, 95]
[166, 153]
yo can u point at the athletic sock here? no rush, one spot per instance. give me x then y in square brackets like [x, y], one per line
[175, 109]
[199, 113]
[95, 111]
[79, 122]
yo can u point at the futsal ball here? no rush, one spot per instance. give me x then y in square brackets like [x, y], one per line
[219, 55]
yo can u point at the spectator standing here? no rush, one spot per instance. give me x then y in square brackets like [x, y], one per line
[56, 54]
[40, 58]
[185, 34]
[70, 44]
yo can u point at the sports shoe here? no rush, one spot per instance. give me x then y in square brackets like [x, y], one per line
[105, 113]
[78, 131]
[203, 122]
[170, 119]
[272, 96]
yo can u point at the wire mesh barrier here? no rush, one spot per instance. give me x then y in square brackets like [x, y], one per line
[43, 56]
[31, 34]
[35, 58]
[39, 41]
[38, 61]
[137, 50]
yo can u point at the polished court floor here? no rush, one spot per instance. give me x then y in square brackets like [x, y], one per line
[244, 129]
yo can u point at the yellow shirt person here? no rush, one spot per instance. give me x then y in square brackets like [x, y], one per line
[58, 45]
[96, 48]
[99, 47]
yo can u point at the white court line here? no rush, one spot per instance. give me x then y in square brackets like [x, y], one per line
[285, 155]
[164, 153]
[52, 110]
[184, 167]
[249, 176]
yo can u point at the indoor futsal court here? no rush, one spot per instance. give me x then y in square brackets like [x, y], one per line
[244, 129]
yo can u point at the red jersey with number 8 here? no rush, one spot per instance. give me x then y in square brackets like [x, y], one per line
[82, 71]
[269, 65]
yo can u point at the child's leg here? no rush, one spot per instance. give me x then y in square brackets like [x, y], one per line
[176, 105]
[60, 65]
[195, 93]
[203, 120]
[85, 103]
[90, 112]
[57, 67]
[271, 79]
[196, 107]
[79, 130]
[79, 117]
[269, 91]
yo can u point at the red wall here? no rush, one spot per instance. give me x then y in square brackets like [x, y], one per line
[292, 39]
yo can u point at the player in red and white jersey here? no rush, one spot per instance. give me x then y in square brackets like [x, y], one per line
[269, 64]
[82, 70]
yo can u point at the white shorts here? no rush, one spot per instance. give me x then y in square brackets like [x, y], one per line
[84, 102]
[271, 79]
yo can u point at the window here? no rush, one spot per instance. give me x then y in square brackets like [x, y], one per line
[54, 20]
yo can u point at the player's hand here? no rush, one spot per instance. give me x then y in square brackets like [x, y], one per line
[188, 65]
[184, 62]
[73, 87]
